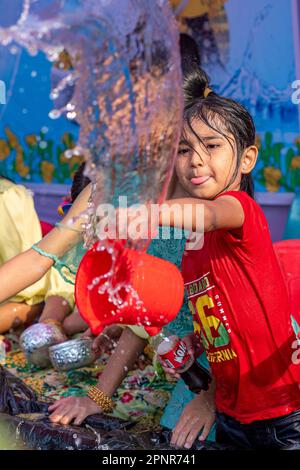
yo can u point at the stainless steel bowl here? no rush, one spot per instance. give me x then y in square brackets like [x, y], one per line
[72, 354]
[36, 340]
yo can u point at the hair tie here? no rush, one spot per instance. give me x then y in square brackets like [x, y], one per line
[206, 92]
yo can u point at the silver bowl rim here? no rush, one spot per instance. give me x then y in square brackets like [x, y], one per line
[70, 343]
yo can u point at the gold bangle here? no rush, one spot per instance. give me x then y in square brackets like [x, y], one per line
[102, 400]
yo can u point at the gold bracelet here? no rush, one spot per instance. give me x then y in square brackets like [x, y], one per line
[102, 400]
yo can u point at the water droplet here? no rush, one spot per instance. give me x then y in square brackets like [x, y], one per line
[44, 130]
[71, 115]
[68, 153]
[43, 144]
[13, 50]
[33, 73]
[54, 95]
[77, 151]
[54, 114]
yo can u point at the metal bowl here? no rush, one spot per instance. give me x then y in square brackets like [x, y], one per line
[72, 354]
[36, 340]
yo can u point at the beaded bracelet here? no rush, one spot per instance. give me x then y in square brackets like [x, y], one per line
[57, 263]
[41, 252]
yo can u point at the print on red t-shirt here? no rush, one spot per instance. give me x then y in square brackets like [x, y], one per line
[212, 327]
[241, 312]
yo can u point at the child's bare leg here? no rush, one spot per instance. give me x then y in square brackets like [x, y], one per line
[74, 323]
[14, 314]
[56, 308]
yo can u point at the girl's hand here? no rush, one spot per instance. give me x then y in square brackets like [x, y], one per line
[198, 414]
[74, 409]
[169, 371]
[107, 340]
[193, 345]
[194, 349]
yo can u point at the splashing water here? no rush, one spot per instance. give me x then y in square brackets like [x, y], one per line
[125, 84]
[127, 94]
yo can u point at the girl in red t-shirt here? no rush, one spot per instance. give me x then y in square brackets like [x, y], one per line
[236, 291]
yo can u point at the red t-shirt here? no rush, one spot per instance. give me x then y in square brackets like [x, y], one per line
[241, 312]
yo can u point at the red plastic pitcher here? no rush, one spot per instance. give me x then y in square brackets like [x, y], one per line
[155, 296]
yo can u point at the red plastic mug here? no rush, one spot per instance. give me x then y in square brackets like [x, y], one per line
[158, 284]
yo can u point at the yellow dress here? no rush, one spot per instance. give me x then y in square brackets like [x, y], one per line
[19, 230]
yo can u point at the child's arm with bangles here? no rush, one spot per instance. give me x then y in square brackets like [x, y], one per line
[30, 266]
[122, 360]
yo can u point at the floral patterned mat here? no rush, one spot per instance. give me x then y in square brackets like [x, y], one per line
[142, 396]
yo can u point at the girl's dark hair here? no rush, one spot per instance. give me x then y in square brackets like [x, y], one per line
[80, 181]
[189, 53]
[214, 110]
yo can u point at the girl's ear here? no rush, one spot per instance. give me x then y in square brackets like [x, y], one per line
[248, 160]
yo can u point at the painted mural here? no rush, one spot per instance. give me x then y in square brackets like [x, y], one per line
[248, 49]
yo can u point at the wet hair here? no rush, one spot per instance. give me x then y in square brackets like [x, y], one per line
[189, 53]
[221, 114]
[80, 181]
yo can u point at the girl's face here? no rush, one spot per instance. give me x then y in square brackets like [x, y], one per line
[204, 169]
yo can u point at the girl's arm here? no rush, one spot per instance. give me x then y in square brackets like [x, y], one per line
[200, 215]
[129, 347]
[29, 266]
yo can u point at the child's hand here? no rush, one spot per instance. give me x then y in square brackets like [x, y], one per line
[193, 344]
[171, 372]
[107, 340]
[194, 348]
[198, 414]
[74, 409]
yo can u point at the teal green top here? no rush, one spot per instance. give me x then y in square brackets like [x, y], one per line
[172, 250]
